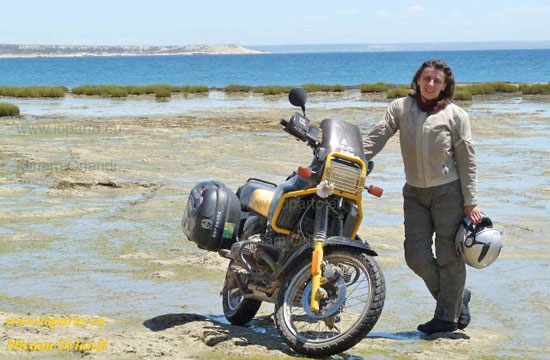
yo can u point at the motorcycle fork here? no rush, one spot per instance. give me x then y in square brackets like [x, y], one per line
[320, 235]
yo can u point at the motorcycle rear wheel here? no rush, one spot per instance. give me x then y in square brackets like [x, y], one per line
[365, 293]
[237, 309]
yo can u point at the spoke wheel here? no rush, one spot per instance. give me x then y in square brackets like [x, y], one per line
[237, 309]
[364, 299]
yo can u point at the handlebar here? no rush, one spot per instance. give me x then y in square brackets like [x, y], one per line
[300, 127]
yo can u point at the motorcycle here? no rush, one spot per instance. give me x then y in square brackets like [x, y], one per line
[295, 245]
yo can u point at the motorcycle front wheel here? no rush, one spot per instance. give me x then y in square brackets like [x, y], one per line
[355, 316]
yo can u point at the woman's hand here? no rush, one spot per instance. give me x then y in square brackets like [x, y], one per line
[473, 212]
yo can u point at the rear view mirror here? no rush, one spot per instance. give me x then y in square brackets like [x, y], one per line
[298, 97]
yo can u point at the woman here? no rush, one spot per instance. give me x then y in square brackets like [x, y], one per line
[440, 169]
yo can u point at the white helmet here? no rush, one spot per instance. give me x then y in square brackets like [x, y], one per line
[478, 245]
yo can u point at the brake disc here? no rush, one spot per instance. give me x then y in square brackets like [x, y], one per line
[336, 291]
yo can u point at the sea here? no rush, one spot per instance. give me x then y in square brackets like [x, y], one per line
[345, 68]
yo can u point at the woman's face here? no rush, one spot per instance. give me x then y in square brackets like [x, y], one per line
[431, 82]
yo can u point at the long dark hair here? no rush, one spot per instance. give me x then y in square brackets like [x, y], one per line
[446, 95]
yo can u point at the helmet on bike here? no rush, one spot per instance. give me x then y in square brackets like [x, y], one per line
[478, 245]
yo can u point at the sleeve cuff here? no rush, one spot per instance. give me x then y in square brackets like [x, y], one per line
[470, 201]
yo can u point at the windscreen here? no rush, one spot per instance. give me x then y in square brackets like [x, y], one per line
[343, 136]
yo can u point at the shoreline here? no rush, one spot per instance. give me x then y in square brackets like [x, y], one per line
[84, 106]
[219, 93]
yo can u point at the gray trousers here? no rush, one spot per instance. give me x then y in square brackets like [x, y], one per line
[437, 209]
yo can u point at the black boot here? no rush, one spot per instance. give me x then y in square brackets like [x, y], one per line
[464, 317]
[437, 325]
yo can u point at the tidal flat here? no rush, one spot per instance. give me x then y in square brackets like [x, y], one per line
[90, 224]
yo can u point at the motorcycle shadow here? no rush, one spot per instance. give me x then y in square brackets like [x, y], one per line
[215, 329]
[417, 335]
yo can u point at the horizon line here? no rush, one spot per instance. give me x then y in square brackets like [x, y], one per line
[296, 44]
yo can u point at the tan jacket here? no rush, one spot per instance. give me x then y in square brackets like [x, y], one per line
[436, 148]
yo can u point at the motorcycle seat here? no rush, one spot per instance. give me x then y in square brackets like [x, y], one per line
[256, 195]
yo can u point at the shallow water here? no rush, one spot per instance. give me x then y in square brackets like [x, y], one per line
[218, 101]
[214, 101]
[515, 106]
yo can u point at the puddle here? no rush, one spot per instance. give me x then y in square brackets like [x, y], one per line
[222, 319]
[5, 231]
[408, 335]
[120, 295]
[514, 106]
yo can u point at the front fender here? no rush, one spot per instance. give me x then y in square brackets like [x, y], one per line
[344, 241]
[305, 251]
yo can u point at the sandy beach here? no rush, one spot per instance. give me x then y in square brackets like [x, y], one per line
[92, 198]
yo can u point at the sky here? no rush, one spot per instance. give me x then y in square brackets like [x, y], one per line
[279, 22]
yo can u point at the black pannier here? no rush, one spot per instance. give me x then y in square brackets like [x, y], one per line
[211, 218]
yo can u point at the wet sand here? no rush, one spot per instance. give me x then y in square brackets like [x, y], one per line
[89, 224]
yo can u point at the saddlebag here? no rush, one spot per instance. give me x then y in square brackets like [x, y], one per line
[212, 215]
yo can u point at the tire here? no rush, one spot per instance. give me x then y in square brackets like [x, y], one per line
[237, 309]
[361, 319]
